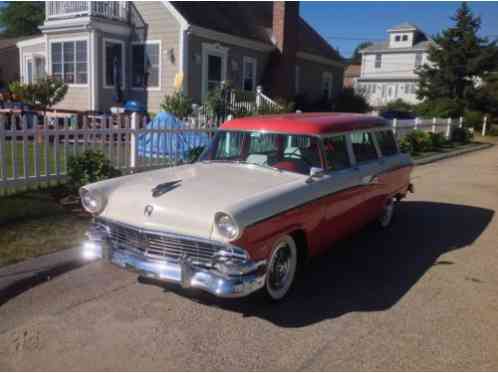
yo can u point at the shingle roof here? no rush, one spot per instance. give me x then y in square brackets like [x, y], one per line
[11, 42]
[384, 47]
[404, 26]
[251, 20]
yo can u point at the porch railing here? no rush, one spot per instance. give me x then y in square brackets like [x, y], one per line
[65, 9]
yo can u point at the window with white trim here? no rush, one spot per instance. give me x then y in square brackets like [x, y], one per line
[418, 59]
[327, 84]
[248, 73]
[113, 60]
[378, 61]
[146, 65]
[70, 61]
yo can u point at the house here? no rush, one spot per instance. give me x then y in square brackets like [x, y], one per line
[388, 68]
[155, 47]
[9, 57]
[351, 75]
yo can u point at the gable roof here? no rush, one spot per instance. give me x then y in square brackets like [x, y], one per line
[250, 20]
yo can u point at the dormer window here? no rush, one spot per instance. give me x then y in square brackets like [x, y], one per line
[397, 38]
[405, 37]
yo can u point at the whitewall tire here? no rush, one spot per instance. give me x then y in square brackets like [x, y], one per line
[386, 218]
[281, 270]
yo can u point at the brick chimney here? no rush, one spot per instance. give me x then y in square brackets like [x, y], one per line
[285, 28]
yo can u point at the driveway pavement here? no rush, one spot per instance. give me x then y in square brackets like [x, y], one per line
[422, 295]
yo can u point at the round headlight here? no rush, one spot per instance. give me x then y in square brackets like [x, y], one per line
[92, 202]
[226, 226]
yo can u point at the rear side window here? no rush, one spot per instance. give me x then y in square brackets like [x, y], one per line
[386, 142]
[363, 146]
[336, 153]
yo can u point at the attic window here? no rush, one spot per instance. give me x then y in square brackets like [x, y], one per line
[397, 38]
[405, 37]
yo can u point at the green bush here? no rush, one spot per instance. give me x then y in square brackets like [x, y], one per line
[45, 92]
[406, 146]
[419, 141]
[462, 135]
[177, 104]
[398, 105]
[438, 140]
[473, 119]
[89, 167]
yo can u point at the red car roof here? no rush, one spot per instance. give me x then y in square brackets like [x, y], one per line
[309, 123]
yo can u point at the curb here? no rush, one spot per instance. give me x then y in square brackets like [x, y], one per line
[456, 153]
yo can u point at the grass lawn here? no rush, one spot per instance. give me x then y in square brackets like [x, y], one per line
[33, 224]
[14, 154]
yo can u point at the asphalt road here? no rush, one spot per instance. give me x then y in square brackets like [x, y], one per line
[422, 295]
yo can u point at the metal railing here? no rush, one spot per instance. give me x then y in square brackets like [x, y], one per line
[117, 10]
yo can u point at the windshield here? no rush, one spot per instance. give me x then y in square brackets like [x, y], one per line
[294, 153]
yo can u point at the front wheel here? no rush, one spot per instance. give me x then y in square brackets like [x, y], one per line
[281, 269]
[387, 214]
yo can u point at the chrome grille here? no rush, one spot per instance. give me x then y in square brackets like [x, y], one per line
[161, 245]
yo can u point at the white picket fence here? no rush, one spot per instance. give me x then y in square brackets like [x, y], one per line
[34, 150]
[433, 125]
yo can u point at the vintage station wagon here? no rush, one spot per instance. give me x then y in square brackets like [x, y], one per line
[267, 193]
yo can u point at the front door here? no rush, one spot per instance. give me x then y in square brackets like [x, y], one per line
[214, 71]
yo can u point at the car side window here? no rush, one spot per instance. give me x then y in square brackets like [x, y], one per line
[363, 146]
[336, 153]
[387, 143]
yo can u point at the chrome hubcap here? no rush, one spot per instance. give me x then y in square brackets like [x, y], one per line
[280, 268]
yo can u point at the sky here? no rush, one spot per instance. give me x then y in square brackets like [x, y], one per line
[340, 21]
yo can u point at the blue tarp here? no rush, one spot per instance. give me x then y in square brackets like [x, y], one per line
[175, 144]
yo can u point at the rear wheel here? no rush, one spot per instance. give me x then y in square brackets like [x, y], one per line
[387, 214]
[281, 269]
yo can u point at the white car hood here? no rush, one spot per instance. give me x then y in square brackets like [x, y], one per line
[191, 195]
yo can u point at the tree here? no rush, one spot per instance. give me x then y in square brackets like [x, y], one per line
[356, 58]
[459, 59]
[22, 18]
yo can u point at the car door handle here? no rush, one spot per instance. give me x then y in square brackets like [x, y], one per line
[370, 180]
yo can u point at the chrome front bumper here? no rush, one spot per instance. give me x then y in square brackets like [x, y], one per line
[182, 272]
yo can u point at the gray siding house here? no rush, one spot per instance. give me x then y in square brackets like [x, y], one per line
[160, 46]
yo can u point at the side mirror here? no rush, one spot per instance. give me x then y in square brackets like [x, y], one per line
[315, 173]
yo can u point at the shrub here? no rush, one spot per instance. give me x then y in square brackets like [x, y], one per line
[89, 167]
[45, 93]
[400, 106]
[406, 146]
[350, 102]
[420, 141]
[462, 135]
[177, 104]
[473, 119]
[438, 140]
